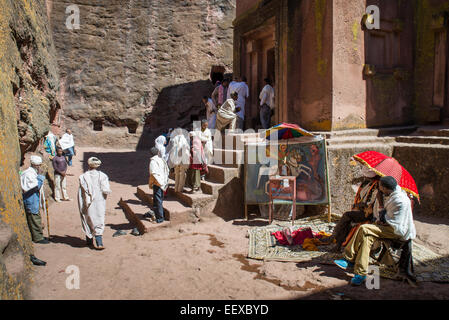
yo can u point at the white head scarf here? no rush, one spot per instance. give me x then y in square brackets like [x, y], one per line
[94, 162]
[36, 160]
[160, 145]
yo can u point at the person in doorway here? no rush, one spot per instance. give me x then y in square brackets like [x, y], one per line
[179, 158]
[60, 166]
[92, 194]
[31, 182]
[226, 115]
[266, 104]
[232, 87]
[396, 223]
[211, 111]
[68, 146]
[243, 93]
[220, 93]
[158, 182]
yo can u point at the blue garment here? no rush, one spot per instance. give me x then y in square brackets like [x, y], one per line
[158, 196]
[48, 147]
[31, 197]
[69, 153]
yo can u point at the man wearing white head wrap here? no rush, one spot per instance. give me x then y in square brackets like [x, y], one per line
[31, 182]
[365, 208]
[93, 190]
[158, 181]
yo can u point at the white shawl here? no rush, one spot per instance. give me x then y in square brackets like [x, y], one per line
[399, 214]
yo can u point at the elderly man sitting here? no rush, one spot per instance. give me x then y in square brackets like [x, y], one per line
[396, 224]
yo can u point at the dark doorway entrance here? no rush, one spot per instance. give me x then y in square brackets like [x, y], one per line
[217, 74]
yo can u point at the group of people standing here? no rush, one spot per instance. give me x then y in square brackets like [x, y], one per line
[60, 152]
[92, 193]
[225, 109]
[187, 155]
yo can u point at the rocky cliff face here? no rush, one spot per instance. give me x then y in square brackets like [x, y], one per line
[28, 103]
[138, 62]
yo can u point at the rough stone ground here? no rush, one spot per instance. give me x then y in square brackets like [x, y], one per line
[191, 261]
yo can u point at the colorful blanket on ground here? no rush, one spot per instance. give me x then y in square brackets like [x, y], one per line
[429, 266]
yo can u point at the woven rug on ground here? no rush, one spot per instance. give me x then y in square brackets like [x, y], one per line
[429, 266]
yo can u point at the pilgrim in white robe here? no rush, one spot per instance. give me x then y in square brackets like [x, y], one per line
[93, 190]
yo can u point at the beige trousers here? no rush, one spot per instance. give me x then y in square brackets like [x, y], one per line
[358, 249]
[60, 184]
[222, 123]
[180, 177]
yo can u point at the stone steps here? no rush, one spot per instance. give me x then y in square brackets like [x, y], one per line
[195, 200]
[359, 140]
[423, 139]
[220, 174]
[432, 132]
[134, 213]
[211, 188]
[236, 141]
[379, 132]
[174, 211]
[228, 157]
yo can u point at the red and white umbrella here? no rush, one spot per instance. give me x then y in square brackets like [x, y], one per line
[387, 166]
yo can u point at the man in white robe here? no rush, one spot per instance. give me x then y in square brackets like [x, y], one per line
[226, 115]
[93, 190]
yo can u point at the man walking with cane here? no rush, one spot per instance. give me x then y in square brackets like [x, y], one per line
[31, 182]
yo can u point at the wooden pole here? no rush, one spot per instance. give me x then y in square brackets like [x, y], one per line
[329, 210]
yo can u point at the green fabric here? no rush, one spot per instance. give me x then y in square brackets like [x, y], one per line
[35, 226]
[428, 265]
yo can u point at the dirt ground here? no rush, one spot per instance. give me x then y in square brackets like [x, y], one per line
[206, 260]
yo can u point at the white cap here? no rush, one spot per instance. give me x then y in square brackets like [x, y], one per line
[94, 162]
[36, 160]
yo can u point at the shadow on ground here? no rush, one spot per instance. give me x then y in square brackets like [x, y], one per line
[130, 168]
[68, 240]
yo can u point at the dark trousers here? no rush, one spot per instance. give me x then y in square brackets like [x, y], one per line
[343, 226]
[158, 198]
[265, 116]
[69, 153]
[35, 226]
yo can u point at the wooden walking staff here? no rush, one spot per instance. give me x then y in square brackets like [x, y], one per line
[329, 207]
[44, 204]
